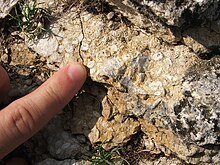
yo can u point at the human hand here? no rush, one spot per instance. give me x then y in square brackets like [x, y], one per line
[27, 115]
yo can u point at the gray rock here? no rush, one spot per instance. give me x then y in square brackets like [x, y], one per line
[196, 116]
[54, 142]
[192, 123]
[175, 13]
[198, 19]
[62, 144]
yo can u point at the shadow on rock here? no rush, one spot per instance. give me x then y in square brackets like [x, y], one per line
[203, 27]
[82, 113]
[65, 137]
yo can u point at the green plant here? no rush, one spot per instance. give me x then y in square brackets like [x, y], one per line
[105, 157]
[30, 18]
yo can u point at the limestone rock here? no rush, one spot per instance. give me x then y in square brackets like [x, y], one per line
[174, 13]
[192, 124]
[114, 132]
[162, 161]
[153, 83]
[201, 102]
[6, 6]
[174, 20]
[82, 119]
[61, 144]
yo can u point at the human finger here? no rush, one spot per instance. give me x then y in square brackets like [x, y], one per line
[4, 83]
[24, 117]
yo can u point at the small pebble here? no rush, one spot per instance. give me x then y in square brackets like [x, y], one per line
[4, 58]
[110, 15]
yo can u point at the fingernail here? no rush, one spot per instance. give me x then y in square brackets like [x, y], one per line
[77, 72]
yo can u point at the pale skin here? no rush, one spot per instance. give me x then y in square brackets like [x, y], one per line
[25, 116]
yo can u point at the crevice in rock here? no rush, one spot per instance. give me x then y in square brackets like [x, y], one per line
[209, 55]
[83, 36]
[149, 13]
[196, 18]
[97, 6]
[86, 108]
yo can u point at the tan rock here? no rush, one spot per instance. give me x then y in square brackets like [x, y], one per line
[114, 132]
[156, 79]
[165, 137]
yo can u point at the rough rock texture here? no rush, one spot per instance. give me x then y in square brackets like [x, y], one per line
[162, 161]
[177, 12]
[146, 75]
[6, 6]
[184, 18]
[163, 89]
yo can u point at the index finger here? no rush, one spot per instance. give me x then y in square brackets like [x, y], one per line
[24, 117]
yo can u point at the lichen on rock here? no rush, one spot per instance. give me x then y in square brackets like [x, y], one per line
[200, 104]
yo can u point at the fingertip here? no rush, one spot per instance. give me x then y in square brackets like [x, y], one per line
[30, 113]
[77, 72]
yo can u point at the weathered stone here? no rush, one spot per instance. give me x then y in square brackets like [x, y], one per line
[162, 161]
[113, 131]
[82, 119]
[194, 45]
[166, 141]
[54, 142]
[153, 83]
[62, 144]
[6, 6]
[192, 124]
[174, 13]
[200, 104]
[173, 20]
[206, 39]
[51, 43]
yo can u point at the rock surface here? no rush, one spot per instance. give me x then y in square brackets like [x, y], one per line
[6, 6]
[184, 18]
[162, 161]
[154, 81]
[175, 13]
[146, 76]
